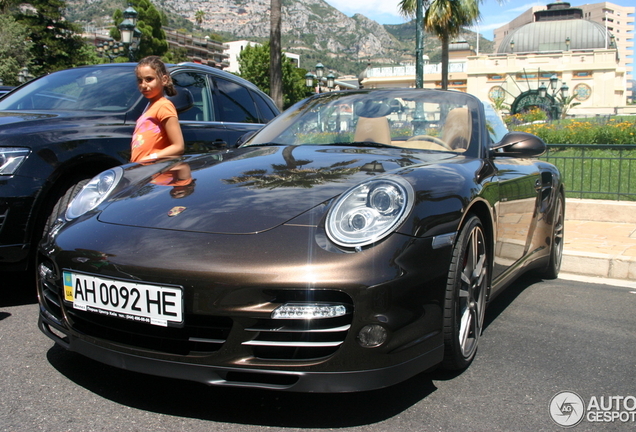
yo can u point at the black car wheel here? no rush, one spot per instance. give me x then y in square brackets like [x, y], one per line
[466, 292]
[556, 243]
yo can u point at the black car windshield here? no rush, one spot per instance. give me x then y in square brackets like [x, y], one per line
[403, 118]
[106, 89]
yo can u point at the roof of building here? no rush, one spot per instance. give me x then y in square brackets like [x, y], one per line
[552, 35]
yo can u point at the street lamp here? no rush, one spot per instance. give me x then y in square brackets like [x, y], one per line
[130, 34]
[421, 7]
[328, 82]
[110, 49]
[24, 75]
[557, 104]
[567, 43]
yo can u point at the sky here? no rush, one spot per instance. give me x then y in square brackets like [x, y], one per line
[494, 13]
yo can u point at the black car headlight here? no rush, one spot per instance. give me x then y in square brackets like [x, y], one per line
[368, 212]
[11, 158]
[94, 193]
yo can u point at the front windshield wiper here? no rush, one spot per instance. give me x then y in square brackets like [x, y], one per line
[265, 144]
[364, 144]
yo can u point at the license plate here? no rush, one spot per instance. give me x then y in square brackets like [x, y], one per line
[141, 302]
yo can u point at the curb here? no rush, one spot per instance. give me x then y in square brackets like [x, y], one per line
[612, 266]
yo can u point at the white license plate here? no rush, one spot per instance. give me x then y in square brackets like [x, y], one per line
[141, 302]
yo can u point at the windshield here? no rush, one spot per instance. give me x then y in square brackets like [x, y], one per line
[405, 118]
[111, 89]
[494, 124]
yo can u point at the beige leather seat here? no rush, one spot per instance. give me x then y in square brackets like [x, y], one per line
[374, 129]
[457, 129]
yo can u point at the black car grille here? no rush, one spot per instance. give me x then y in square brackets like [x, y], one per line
[298, 339]
[201, 334]
[3, 216]
[49, 297]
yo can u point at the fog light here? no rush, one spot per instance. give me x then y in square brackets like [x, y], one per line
[372, 335]
[309, 311]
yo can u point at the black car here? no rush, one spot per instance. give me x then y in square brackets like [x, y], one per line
[70, 125]
[352, 243]
[5, 89]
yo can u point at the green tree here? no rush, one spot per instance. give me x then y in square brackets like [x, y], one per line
[445, 19]
[176, 55]
[15, 49]
[253, 66]
[199, 16]
[149, 22]
[56, 43]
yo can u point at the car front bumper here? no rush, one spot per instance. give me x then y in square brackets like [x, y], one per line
[397, 285]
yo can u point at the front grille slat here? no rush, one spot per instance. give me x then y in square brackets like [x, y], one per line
[297, 330]
[298, 339]
[293, 344]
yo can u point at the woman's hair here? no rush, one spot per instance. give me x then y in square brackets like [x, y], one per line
[157, 65]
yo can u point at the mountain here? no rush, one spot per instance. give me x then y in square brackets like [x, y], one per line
[311, 28]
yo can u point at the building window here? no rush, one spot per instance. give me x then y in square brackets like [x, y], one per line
[496, 93]
[582, 74]
[582, 92]
[496, 77]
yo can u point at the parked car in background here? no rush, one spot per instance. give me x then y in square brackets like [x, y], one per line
[352, 243]
[68, 126]
[5, 89]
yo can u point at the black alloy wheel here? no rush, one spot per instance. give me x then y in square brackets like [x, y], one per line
[556, 242]
[466, 292]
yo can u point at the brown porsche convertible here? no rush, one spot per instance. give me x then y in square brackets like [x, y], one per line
[353, 242]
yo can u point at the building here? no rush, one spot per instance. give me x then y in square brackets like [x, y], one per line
[404, 76]
[557, 60]
[199, 49]
[615, 20]
[234, 50]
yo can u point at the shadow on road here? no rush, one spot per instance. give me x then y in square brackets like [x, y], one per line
[505, 298]
[18, 288]
[259, 407]
[240, 406]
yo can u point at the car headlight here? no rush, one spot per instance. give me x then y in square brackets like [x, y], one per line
[94, 193]
[11, 158]
[368, 212]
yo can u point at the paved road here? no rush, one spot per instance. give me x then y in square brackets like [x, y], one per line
[541, 338]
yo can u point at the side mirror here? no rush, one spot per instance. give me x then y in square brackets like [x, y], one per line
[183, 100]
[244, 138]
[519, 144]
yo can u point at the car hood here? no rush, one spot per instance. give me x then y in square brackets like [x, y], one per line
[21, 122]
[251, 189]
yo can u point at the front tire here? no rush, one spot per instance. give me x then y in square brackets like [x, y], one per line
[466, 293]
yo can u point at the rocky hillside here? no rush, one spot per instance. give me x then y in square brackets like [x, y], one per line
[311, 28]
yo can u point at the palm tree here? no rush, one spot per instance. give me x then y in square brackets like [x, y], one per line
[445, 18]
[275, 57]
[199, 16]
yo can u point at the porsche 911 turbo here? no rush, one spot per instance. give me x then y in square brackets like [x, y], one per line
[352, 243]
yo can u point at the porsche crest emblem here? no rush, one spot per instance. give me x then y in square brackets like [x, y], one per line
[175, 211]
